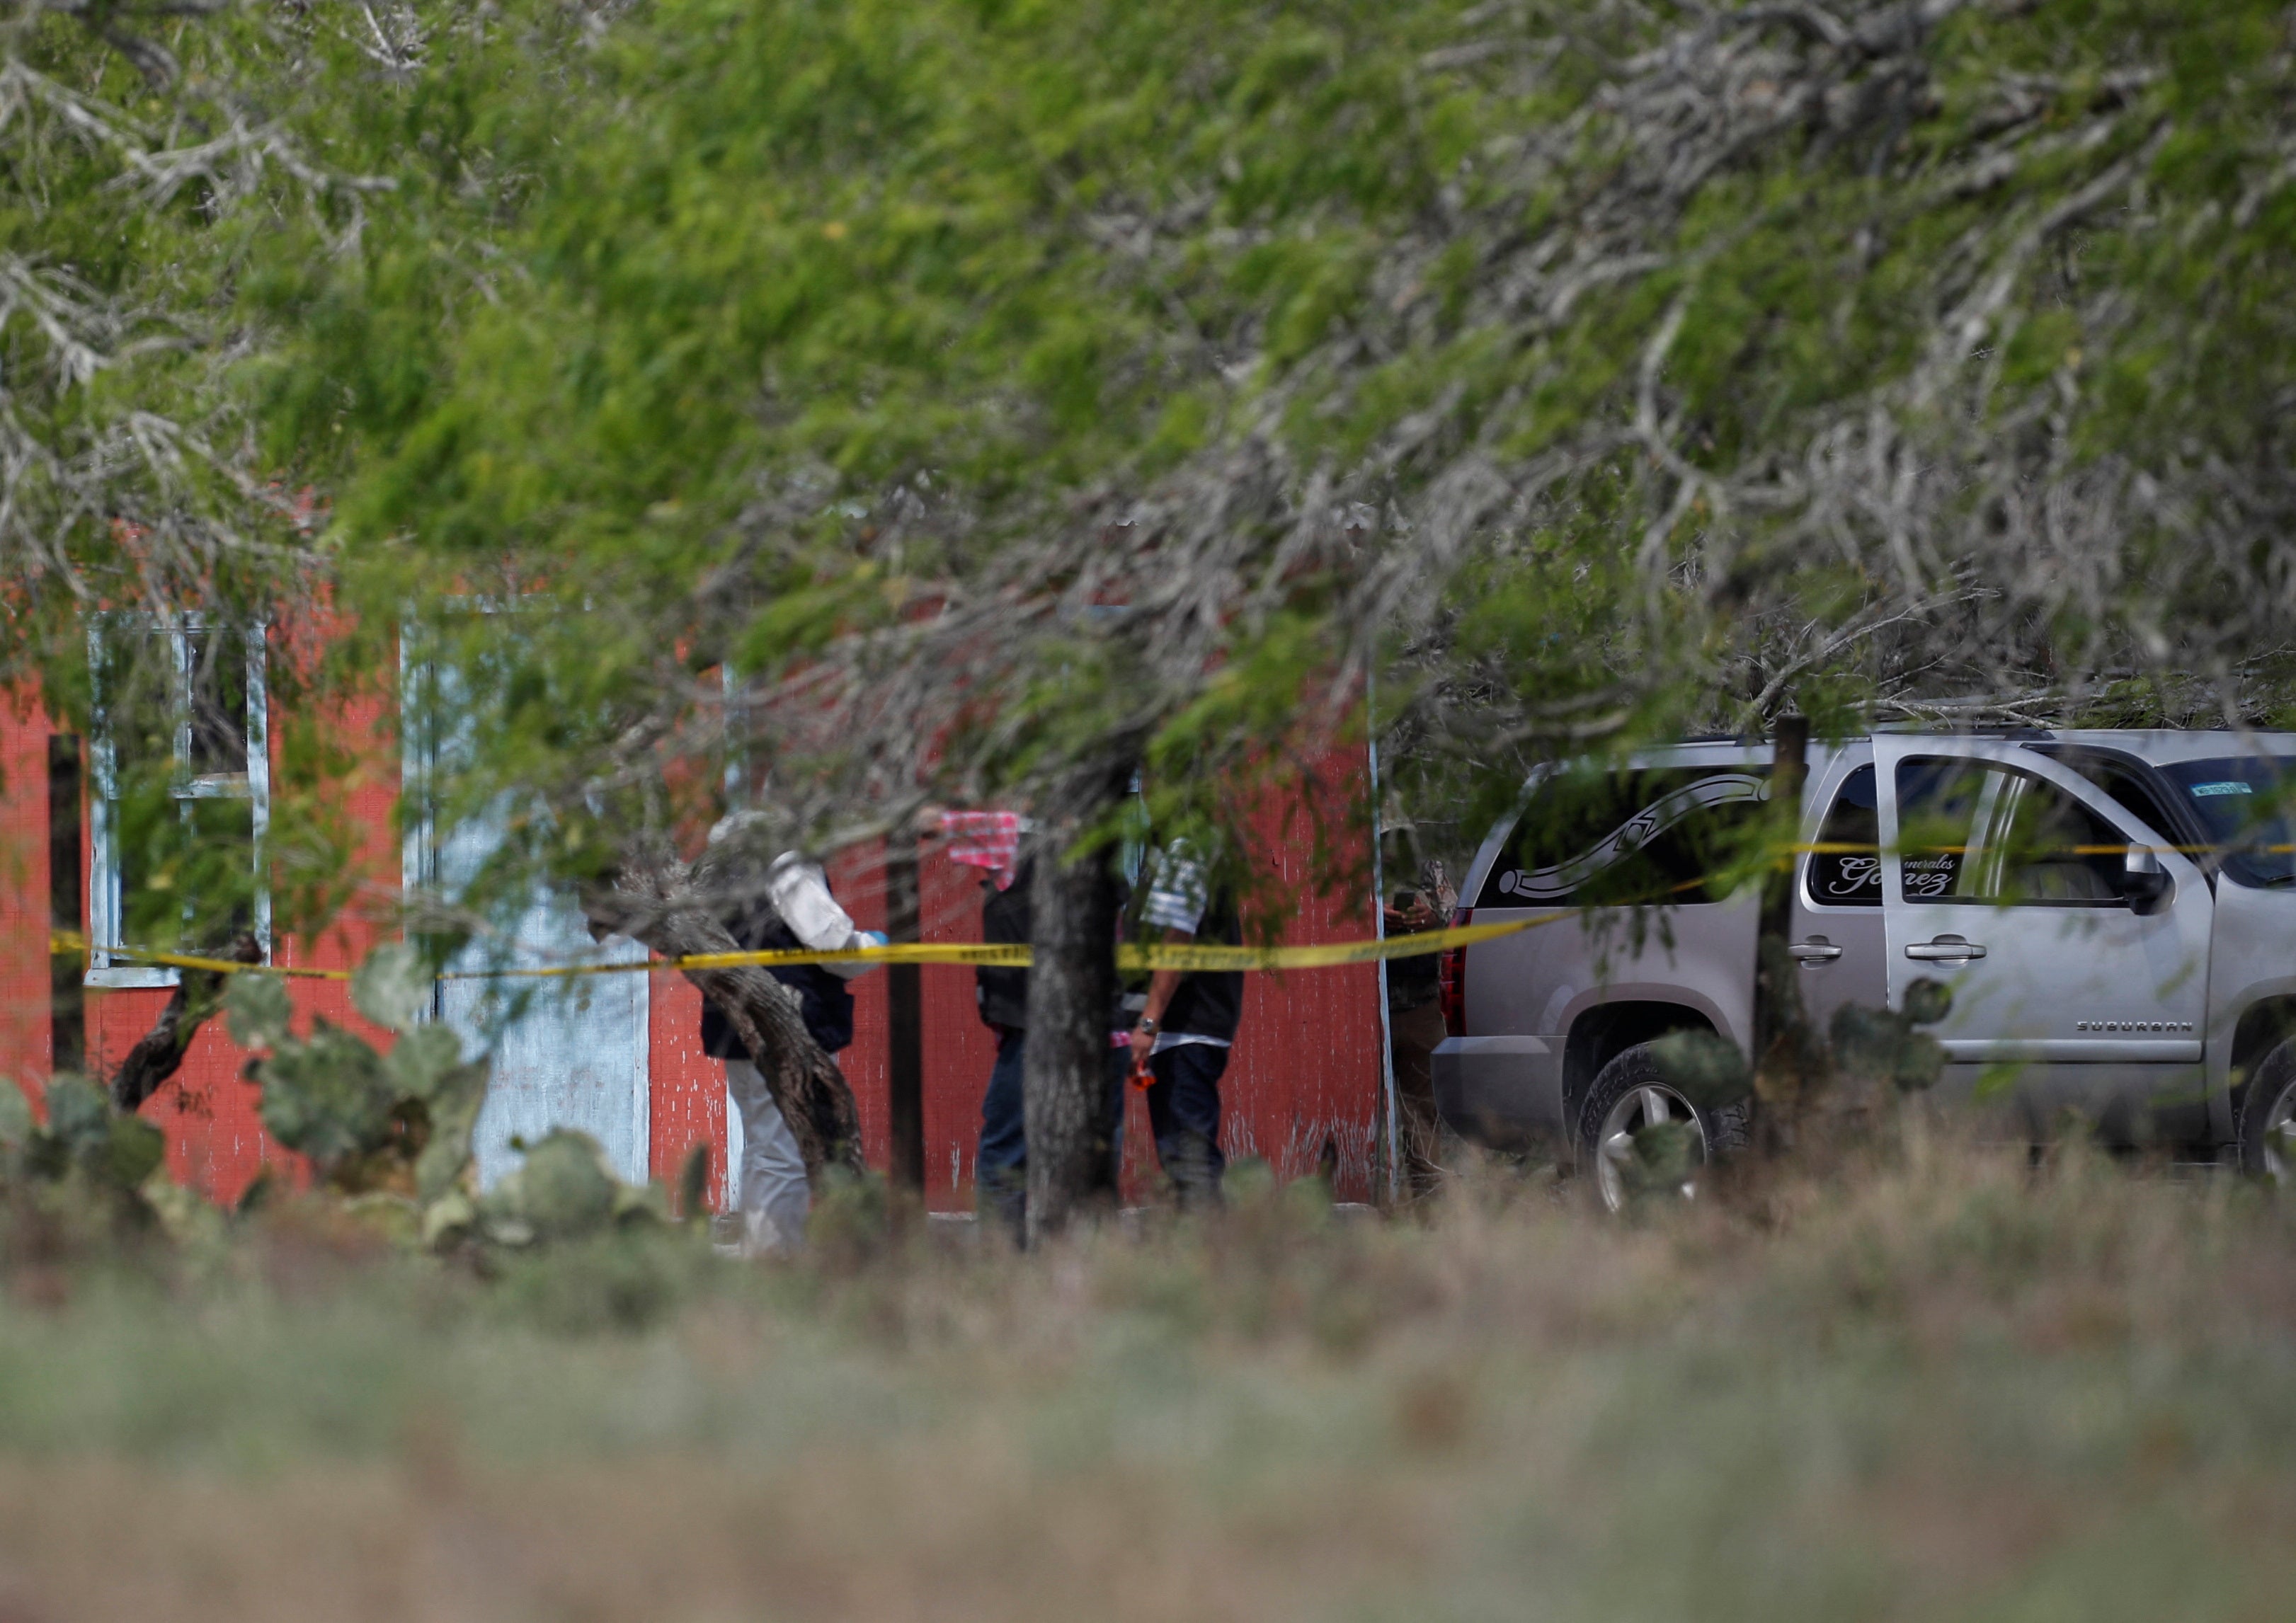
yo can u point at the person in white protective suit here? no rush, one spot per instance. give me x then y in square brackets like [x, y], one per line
[796, 911]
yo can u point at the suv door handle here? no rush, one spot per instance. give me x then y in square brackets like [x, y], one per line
[1814, 952]
[1945, 949]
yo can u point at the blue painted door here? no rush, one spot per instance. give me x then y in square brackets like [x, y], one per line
[566, 1051]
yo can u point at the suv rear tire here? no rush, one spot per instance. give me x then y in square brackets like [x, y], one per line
[1629, 1093]
[2267, 1118]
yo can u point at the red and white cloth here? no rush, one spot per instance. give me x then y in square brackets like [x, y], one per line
[989, 839]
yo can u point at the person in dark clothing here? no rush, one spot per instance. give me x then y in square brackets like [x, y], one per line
[824, 998]
[1187, 1027]
[796, 911]
[1001, 1167]
[1414, 1026]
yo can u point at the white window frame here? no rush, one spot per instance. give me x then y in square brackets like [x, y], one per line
[106, 906]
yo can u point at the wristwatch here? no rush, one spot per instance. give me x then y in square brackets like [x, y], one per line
[1148, 1024]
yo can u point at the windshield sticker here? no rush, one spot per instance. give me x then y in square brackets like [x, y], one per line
[2201, 790]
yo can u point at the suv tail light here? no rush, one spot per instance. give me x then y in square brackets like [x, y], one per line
[1451, 980]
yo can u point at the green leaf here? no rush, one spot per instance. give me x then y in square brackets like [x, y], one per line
[132, 1151]
[1709, 1069]
[422, 1060]
[1927, 1001]
[257, 1008]
[79, 1116]
[392, 988]
[563, 1189]
[16, 1123]
[329, 1098]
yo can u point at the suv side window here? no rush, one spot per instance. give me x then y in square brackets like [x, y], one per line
[1652, 837]
[2129, 792]
[1846, 869]
[1975, 831]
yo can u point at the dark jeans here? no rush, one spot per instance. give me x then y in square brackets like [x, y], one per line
[1001, 1172]
[1001, 1167]
[1183, 1112]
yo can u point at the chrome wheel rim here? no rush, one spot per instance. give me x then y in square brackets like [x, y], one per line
[2278, 1139]
[1648, 1106]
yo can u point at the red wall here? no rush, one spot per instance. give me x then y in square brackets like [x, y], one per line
[1306, 1067]
[688, 1102]
[215, 1142]
[24, 896]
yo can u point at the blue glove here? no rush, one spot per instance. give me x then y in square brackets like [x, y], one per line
[875, 938]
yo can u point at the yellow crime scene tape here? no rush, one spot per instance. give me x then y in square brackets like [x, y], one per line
[1326, 955]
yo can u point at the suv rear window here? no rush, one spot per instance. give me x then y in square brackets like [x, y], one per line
[1653, 837]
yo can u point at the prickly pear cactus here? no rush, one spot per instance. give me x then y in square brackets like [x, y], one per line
[369, 1122]
[85, 1141]
[395, 1128]
[564, 1190]
[1882, 1044]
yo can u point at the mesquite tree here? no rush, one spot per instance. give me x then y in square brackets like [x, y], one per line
[921, 401]
[143, 149]
[1915, 361]
[1001, 396]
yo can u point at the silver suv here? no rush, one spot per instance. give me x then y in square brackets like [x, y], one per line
[2114, 912]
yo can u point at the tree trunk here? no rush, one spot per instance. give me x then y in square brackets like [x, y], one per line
[1787, 1055]
[668, 904]
[158, 1053]
[1072, 993]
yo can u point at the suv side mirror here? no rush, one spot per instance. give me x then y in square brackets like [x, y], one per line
[2144, 882]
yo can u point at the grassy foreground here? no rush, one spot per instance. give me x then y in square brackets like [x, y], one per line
[1939, 1385]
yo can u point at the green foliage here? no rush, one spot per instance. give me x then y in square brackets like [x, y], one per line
[145, 158]
[103, 1158]
[1663, 1165]
[1883, 1044]
[393, 989]
[1709, 1069]
[329, 1098]
[751, 333]
[839, 253]
[562, 1191]
[625, 1278]
[564, 1187]
[116, 1150]
[397, 1123]
[257, 1010]
[393, 1130]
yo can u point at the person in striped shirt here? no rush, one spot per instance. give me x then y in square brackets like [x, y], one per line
[1188, 1022]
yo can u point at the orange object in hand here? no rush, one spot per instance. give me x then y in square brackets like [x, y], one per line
[1142, 1078]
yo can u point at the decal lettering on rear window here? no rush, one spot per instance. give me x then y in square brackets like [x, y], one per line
[1643, 838]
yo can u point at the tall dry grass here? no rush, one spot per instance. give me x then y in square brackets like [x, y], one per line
[1930, 1381]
